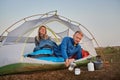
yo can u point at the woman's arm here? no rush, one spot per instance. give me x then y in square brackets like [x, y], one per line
[36, 41]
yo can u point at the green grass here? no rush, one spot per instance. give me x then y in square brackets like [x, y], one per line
[113, 52]
[108, 50]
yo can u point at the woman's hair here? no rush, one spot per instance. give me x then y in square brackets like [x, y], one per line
[39, 34]
[40, 28]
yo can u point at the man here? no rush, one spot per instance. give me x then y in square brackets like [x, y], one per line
[70, 48]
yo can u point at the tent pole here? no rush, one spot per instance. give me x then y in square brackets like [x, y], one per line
[24, 19]
[101, 52]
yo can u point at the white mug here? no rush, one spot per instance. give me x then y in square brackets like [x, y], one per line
[77, 71]
[71, 67]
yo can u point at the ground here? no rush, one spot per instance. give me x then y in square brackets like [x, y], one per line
[110, 70]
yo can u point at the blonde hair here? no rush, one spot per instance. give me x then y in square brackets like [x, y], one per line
[39, 34]
[40, 28]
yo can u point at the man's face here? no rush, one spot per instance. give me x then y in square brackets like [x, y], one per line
[77, 37]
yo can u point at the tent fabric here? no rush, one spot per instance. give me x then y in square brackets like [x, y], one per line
[63, 34]
[29, 25]
[15, 51]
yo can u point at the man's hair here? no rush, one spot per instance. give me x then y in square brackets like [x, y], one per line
[79, 33]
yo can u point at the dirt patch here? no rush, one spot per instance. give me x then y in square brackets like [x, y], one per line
[110, 71]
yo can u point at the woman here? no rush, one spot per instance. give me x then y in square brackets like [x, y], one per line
[44, 46]
[42, 35]
[41, 38]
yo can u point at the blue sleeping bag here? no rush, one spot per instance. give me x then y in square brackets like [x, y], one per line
[44, 52]
[52, 58]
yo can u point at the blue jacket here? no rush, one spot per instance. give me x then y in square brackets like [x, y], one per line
[68, 49]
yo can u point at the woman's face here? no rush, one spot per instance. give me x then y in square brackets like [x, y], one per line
[42, 30]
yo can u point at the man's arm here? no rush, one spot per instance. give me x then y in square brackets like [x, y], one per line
[64, 48]
[79, 53]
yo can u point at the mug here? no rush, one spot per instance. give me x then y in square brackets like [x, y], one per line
[77, 71]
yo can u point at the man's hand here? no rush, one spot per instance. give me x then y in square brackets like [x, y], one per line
[68, 61]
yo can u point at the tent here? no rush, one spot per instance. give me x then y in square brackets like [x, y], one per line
[19, 39]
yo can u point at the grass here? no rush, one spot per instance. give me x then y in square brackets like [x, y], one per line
[112, 54]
